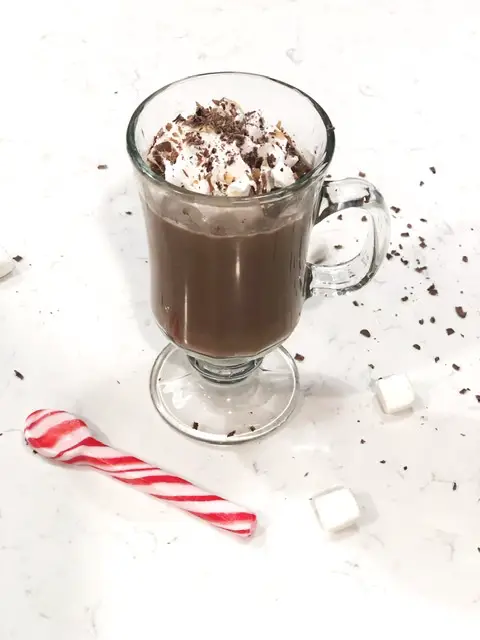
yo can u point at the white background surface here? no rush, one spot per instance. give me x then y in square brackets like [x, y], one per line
[82, 557]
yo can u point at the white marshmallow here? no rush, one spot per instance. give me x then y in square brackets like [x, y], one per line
[6, 264]
[394, 393]
[336, 509]
[282, 175]
[240, 187]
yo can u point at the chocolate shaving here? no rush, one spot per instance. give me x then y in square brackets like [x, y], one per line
[420, 269]
[271, 160]
[395, 209]
[195, 425]
[433, 170]
[17, 258]
[18, 375]
[193, 138]
[432, 290]
[450, 331]
[232, 433]
[364, 218]
[166, 146]
[460, 312]
[299, 357]
[366, 333]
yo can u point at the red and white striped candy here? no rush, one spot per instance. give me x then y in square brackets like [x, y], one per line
[64, 438]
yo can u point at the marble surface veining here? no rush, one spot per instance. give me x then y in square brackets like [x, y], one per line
[82, 557]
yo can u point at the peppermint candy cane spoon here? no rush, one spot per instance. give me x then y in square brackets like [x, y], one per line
[63, 437]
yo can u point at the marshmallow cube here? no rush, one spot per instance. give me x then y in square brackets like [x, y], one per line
[336, 509]
[394, 393]
[6, 264]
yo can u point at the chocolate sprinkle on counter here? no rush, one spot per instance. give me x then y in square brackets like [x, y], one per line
[362, 441]
[450, 331]
[456, 367]
[405, 468]
[454, 486]
[464, 258]
[17, 258]
[102, 167]
[128, 213]
[417, 347]
[364, 218]
[423, 220]
[478, 398]
[365, 333]
[355, 303]
[395, 209]
[462, 392]
[404, 299]
[432, 290]
[420, 269]
[19, 375]
[437, 359]
[195, 425]
[432, 320]
[232, 433]
[362, 174]
[421, 183]
[383, 461]
[405, 234]
[421, 321]
[252, 428]
[433, 170]
[371, 366]
[460, 312]
[338, 246]
[299, 357]
[388, 256]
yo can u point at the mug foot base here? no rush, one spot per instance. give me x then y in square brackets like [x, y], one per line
[224, 413]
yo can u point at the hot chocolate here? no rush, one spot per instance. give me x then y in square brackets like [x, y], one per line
[227, 278]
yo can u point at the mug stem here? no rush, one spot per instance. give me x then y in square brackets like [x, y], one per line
[224, 373]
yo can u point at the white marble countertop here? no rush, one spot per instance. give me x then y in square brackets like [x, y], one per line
[82, 557]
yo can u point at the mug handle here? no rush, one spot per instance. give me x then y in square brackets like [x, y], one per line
[339, 279]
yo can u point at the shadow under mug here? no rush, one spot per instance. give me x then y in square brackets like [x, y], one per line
[229, 276]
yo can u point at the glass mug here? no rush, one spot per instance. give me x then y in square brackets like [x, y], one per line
[229, 276]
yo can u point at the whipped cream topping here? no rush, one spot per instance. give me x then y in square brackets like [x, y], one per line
[220, 150]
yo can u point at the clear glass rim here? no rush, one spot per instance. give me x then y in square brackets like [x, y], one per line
[273, 196]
